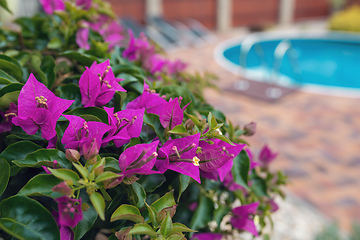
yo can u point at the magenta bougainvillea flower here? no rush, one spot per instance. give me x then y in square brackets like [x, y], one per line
[80, 132]
[125, 125]
[150, 100]
[6, 124]
[50, 6]
[138, 159]
[253, 163]
[171, 114]
[179, 155]
[39, 108]
[66, 232]
[138, 48]
[266, 156]
[206, 236]
[242, 218]
[174, 67]
[217, 157]
[112, 33]
[85, 4]
[154, 63]
[82, 38]
[98, 85]
[70, 213]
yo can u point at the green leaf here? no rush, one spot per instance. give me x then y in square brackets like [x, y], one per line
[4, 174]
[11, 66]
[112, 164]
[152, 214]
[224, 138]
[71, 91]
[240, 169]
[98, 202]
[44, 157]
[127, 212]
[152, 182]
[106, 176]
[26, 219]
[258, 186]
[140, 194]
[40, 185]
[36, 64]
[97, 112]
[195, 120]
[67, 175]
[184, 183]
[81, 58]
[19, 150]
[179, 227]
[180, 130]
[12, 87]
[54, 43]
[166, 225]
[176, 236]
[165, 201]
[47, 67]
[143, 229]
[203, 213]
[82, 170]
[6, 78]
[153, 122]
[220, 213]
[5, 6]
[8, 98]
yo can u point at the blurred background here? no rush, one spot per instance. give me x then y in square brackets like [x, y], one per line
[317, 135]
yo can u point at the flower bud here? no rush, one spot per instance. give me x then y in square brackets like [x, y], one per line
[91, 150]
[72, 155]
[62, 188]
[250, 129]
[189, 124]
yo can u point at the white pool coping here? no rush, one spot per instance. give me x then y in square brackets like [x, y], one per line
[284, 80]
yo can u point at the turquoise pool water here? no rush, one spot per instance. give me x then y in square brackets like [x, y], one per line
[323, 62]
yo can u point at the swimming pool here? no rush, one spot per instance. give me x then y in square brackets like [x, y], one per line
[320, 62]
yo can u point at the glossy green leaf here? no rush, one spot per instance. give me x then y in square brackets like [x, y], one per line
[165, 201]
[203, 213]
[166, 225]
[127, 212]
[179, 227]
[82, 170]
[180, 130]
[154, 123]
[97, 112]
[140, 194]
[224, 138]
[39, 185]
[81, 58]
[184, 183]
[54, 43]
[152, 214]
[36, 64]
[143, 229]
[240, 169]
[106, 176]
[4, 174]
[5, 6]
[71, 91]
[8, 98]
[10, 66]
[47, 67]
[112, 164]
[258, 186]
[44, 157]
[152, 182]
[67, 175]
[176, 236]
[6, 78]
[12, 87]
[19, 150]
[98, 202]
[194, 119]
[26, 219]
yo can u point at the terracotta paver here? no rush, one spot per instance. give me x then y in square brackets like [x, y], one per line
[317, 136]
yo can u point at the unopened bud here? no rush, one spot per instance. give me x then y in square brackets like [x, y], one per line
[62, 188]
[90, 151]
[99, 170]
[72, 155]
[84, 207]
[250, 129]
[189, 124]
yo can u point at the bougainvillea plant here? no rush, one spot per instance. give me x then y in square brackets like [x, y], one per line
[101, 133]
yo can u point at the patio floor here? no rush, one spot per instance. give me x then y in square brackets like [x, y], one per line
[317, 136]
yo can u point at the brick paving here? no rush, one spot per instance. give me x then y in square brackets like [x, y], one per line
[317, 136]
